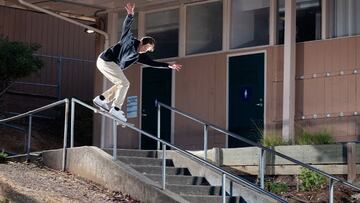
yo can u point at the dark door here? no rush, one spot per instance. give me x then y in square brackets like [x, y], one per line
[156, 85]
[246, 97]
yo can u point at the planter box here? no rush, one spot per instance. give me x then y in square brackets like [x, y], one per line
[332, 159]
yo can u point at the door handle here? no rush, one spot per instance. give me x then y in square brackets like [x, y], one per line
[259, 104]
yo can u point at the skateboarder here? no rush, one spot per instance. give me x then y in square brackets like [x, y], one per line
[120, 56]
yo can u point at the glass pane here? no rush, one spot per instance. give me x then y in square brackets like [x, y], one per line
[308, 20]
[204, 28]
[134, 26]
[346, 17]
[249, 23]
[163, 26]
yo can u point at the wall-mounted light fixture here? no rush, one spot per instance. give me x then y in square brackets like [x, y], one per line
[90, 31]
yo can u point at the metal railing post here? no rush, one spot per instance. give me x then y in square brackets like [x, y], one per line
[114, 140]
[163, 166]
[72, 124]
[331, 190]
[158, 125]
[28, 144]
[205, 141]
[59, 77]
[223, 187]
[262, 163]
[66, 120]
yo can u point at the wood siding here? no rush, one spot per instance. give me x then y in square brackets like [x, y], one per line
[57, 39]
[325, 86]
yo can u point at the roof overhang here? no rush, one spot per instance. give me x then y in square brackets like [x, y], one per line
[89, 9]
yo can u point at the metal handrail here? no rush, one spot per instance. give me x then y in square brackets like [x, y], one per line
[224, 173]
[263, 149]
[30, 115]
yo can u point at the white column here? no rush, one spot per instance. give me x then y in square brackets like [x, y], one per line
[107, 124]
[226, 24]
[182, 30]
[351, 17]
[273, 22]
[141, 24]
[289, 70]
[324, 19]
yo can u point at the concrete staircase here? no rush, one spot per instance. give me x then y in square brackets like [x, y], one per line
[178, 180]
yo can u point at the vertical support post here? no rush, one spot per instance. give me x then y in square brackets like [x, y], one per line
[262, 159]
[223, 187]
[351, 161]
[59, 77]
[273, 22]
[65, 133]
[331, 190]
[205, 141]
[72, 124]
[114, 140]
[288, 117]
[158, 124]
[163, 166]
[28, 144]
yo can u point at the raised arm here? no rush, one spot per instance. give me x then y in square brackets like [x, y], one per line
[126, 28]
[146, 60]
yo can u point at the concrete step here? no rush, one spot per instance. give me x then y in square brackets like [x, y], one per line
[144, 161]
[158, 170]
[195, 189]
[212, 199]
[180, 179]
[134, 153]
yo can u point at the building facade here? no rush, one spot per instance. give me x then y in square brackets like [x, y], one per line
[253, 67]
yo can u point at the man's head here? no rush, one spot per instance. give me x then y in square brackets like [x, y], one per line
[146, 44]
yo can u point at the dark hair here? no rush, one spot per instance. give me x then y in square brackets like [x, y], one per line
[148, 40]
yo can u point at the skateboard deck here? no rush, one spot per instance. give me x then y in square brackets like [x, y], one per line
[119, 122]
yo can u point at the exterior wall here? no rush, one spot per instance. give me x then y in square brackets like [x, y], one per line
[57, 39]
[318, 95]
[200, 89]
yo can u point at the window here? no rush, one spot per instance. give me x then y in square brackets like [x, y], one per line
[204, 28]
[163, 26]
[308, 20]
[134, 26]
[346, 17]
[249, 23]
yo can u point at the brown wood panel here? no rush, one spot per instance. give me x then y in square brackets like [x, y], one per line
[193, 94]
[129, 138]
[56, 38]
[278, 63]
[313, 97]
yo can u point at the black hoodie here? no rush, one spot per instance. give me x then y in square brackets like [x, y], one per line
[124, 53]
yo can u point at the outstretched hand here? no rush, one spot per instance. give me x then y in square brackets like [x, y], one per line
[175, 66]
[130, 8]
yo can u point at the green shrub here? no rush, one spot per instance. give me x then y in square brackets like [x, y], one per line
[276, 187]
[317, 138]
[272, 140]
[17, 60]
[310, 180]
[3, 155]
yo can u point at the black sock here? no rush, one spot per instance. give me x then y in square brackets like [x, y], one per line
[116, 108]
[102, 98]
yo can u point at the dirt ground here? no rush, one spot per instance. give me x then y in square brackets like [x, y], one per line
[342, 193]
[33, 183]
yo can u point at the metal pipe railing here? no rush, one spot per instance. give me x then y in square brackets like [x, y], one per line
[30, 115]
[221, 171]
[262, 159]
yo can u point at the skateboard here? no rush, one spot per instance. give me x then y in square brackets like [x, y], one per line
[118, 122]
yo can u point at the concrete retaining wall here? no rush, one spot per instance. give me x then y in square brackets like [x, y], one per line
[94, 164]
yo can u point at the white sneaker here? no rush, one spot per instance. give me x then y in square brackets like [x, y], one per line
[118, 114]
[103, 104]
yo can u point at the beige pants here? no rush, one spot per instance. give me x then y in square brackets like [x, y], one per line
[113, 72]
